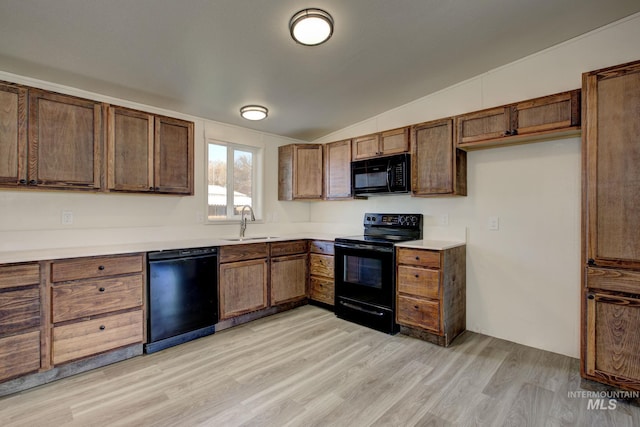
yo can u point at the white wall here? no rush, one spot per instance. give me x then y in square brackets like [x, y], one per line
[32, 219]
[523, 280]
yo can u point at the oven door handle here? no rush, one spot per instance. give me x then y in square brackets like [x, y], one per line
[364, 310]
[364, 247]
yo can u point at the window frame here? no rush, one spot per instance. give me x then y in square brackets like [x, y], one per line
[256, 178]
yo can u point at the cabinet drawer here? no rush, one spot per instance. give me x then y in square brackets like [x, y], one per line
[81, 339]
[321, 265]
[422, 313]
[88, 298]
[322, 290]
[19, 355]
[19, 275]
[321, 247]
[419, 281]
[421, 257]
[613, 280]
[288, 248]
[19, 309]
[243, 252]
[84, 268]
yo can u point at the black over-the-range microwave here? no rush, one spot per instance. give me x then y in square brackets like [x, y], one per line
[382, 175]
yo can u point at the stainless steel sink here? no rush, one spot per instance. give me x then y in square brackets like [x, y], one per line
[242, 239]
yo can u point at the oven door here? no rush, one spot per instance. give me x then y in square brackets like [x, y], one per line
[365, 273]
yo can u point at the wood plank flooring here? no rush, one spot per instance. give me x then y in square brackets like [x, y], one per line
[305, 367]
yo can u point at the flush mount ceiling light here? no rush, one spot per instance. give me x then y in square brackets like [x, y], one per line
[254, 112]
[311, 27]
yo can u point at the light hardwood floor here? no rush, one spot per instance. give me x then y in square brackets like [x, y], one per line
[305, 367]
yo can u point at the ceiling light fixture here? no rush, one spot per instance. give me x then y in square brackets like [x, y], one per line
[254, 112]
[311, 27]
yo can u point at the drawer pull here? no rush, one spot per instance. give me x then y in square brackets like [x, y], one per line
[101, 289]
[102, 327]
[416, 307]
[417, 276]
[591, 296]
[101, 267]
[417, 258]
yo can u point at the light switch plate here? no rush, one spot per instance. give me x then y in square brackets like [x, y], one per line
[494, 223]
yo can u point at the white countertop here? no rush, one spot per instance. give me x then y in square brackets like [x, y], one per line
[435, 245]
[82, 251]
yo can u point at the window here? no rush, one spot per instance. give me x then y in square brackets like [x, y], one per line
[232, 182]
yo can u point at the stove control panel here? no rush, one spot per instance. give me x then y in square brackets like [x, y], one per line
[393, 220]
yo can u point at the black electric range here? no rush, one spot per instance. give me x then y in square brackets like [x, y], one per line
[365, 269]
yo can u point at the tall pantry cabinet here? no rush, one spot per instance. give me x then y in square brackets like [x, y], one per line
[611, 226]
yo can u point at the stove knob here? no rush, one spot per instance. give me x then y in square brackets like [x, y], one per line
[368, 218]
[414, 219]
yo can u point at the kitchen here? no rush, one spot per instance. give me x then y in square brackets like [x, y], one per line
[522, 279]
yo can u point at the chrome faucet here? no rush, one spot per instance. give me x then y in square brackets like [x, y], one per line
[243, 220]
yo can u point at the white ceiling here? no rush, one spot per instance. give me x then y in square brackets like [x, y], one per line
[210, 57]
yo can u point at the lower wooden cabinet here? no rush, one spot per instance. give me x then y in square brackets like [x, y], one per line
[19, 354]
[288, 271]
[431, 293]
[242, 287]
[20, 319]
[97, 305]
[288, 278]
[321, 280]
[612, 327]
[87, 337]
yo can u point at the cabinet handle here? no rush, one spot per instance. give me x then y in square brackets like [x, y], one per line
[150, 188]
[101, 267]
[417, 258]
[514, 131]
[591, 262]
[101, 289]
[507, 132]
[102, 327]
[416, 307]
[22, 181]
[417, 276]
[591, 296]
[33, 182]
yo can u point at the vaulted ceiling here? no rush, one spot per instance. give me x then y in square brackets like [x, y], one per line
[208, 58]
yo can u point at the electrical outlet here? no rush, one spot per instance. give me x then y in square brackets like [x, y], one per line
[494, 223]
[199, 217]
[444, 219]
[67, 218]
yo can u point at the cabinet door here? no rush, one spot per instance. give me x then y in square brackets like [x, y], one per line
[483, 125]
[173, 156]
[611, 144]
[13, 134]
[307, 175]
[394, 141]
[19, 354]
[433, 162]
[366, 146]
[66, 136]
[288, 278]
[547, 113]
[337, 170]
[613, 339]
[130, 150]
[243, 287]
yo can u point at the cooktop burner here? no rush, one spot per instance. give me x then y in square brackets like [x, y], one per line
[388, 229]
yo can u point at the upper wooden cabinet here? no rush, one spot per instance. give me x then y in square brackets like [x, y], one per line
[526, 121]
[66, 136]
[59, 141]
[437, 167]
[381, 144]
[300, 172]
[148, 153]
[611, 155]
[130, 150]
[13, 134]
[173, 156]
[337, 170]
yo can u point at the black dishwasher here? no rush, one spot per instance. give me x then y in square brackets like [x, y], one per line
[182, 296]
